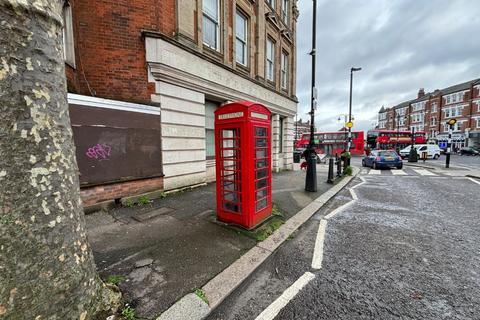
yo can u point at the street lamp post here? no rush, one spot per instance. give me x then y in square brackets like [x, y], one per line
[398, 132]
[349, 144]
[345, 119]
[311, 178]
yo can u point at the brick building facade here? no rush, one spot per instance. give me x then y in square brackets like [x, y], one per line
[171, 63]
[430, 111]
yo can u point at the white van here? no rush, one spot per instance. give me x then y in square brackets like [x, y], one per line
[433, 151]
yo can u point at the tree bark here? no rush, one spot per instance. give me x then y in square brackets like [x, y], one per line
[47, 269]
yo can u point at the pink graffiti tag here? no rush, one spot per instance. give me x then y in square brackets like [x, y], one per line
[99, 152]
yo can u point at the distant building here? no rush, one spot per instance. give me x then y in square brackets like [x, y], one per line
[430, 111]
[145, 77]
[300, 127]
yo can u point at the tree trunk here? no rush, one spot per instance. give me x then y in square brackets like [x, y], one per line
[46, 265]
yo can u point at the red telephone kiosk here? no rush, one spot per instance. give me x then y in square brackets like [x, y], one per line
[243, 163]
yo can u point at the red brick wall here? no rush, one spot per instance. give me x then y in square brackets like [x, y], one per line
[476, 92]
[109, 50]
[93, 195]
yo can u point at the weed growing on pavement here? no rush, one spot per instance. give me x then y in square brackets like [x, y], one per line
[348, 171]
[275, 210]
[143, 200]
[201, 295]
[268, 229]
[128, 313]
[115, 279]
[129, 203]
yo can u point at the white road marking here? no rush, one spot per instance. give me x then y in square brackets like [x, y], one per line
[273, 309]
[338, 210]
[398, 173]
[423, 172]
[318, 251]
[375, 172]
[357, 185]
[354, 195]
[473, 180]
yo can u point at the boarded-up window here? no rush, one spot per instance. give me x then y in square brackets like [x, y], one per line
[115, 145]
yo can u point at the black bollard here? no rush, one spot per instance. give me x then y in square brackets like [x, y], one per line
[339, 166]
[330, 170]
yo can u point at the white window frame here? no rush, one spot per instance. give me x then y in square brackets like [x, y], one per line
[285, 11]
[270, 60]
[271, 3]
[478, 122]
[284, 69]
[434, 107]
[244, 41]
[447, 113]
[207, 16]
[67, 33]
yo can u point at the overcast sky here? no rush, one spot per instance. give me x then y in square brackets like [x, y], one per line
[401, 45]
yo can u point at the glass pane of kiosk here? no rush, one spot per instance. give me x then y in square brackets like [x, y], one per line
[261, 168]
[230, 170]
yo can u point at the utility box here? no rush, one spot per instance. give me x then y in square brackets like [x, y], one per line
[243, 163]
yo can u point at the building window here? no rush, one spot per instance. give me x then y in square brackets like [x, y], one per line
[284, 70]
[270, 56]
[210, 108]
[456, 127]
[478, 122]
[434, 107]
[211, 23]
[67, 32]
[285, 11]
[271, 3]
[447, 113]
[433, 121]
[241, 30]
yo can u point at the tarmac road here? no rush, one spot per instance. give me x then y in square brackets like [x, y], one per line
[408, 247]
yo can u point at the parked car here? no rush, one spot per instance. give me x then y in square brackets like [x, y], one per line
[433, 151]
[470, 151]
[378, 159]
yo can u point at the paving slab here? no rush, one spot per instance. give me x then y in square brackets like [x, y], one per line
[190, 307]
[151, 214]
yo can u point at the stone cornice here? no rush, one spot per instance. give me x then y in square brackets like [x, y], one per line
[163, 72]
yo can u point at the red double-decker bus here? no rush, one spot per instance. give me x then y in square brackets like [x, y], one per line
[392, 139]
[332, 143]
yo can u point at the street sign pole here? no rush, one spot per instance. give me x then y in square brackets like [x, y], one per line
[449, 144]
[451, 123]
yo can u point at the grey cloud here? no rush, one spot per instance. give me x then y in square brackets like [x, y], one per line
[401, 45]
